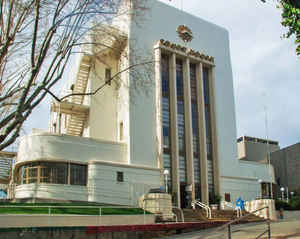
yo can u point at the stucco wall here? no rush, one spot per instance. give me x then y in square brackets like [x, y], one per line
[104, 160]
[103, 186]
[247, 186]
[52, 191]
[209, 39]
[103, 105]
[256, 151]
[69, 148]
[287, 166]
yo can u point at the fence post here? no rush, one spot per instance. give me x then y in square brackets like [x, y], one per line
[49, 214]
[229, 231]
[100, 213]
[144, 215]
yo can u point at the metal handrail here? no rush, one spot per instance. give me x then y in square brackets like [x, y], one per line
[238, 210]
[244, 217]
[203, 205]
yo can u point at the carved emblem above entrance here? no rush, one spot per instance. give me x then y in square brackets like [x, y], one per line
[185, 33]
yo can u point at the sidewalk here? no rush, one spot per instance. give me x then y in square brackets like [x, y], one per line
[289, 227]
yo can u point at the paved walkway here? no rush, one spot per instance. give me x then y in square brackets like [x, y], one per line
[289, 227]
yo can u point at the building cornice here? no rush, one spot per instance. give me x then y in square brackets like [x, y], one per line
[187, 52]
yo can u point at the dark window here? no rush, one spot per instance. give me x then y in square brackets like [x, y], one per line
[108, 76]
[227, 197]
[78, 174]
[120, 177]
[121, 131]
[179, 78]
[165, 74]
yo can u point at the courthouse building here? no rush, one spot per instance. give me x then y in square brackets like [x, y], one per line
[113, 146]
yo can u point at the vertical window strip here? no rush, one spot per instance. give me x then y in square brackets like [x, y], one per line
[207, 112]
[165, 81]
[180, 120]
[208, 129]
[195, 125]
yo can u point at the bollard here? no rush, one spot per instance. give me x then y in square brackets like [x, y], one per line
[281, 213]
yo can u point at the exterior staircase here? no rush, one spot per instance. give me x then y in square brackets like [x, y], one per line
[199, 215]
[73, 108]
[76, 121]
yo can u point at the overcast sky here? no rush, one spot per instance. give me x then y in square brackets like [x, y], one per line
[266, 70]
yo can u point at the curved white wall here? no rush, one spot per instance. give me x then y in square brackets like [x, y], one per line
[104, 160]
[46, 146]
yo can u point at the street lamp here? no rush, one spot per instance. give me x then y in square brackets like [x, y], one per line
[282, 193]
[268, 150]
[166, 174]
[292, 194]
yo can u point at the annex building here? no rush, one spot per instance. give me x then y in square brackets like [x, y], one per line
[176, 112]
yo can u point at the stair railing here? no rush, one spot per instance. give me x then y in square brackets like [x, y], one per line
[231, 205]
[236, 221]
[202, 205]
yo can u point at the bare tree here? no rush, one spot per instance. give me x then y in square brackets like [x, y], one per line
[37, 40]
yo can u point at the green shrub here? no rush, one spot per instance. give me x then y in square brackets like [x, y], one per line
[295, 203]
[282, 204]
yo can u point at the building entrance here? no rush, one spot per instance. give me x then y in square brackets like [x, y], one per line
[183, 196]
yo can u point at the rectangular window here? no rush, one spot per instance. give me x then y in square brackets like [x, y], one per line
[120, 176]
[78, 174]
[121, 131]
[108, 76]
[227, 197]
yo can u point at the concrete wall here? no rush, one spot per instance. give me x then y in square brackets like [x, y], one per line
[286, 163]
[66, 233]
[52, 192]
[17, 221]
[246, 186]
[103, 186]
[211, 40]
[255, 151]
[103, 105]
[69, 148]
[104, 160]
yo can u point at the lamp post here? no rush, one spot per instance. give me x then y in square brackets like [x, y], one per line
[282, 193]
[166, 174]
[292, 194]
[268, 152]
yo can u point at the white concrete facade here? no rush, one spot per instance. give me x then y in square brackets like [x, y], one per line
[103, 159]
[122, 124]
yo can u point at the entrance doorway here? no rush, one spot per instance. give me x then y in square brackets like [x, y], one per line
[183, 196]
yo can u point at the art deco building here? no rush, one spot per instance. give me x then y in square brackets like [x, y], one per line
[113, 146]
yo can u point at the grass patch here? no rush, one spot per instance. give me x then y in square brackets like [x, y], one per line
[18, 209]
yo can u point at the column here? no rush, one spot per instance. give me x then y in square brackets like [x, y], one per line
[202, 135]
[174, 130]
[158, 91]
[188, 127]
[215, 152]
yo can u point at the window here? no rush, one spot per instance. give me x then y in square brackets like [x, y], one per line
[120, 177]
[78, 174]
[55, 173]
[227, 197]
[108, 76]
[121, 131]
